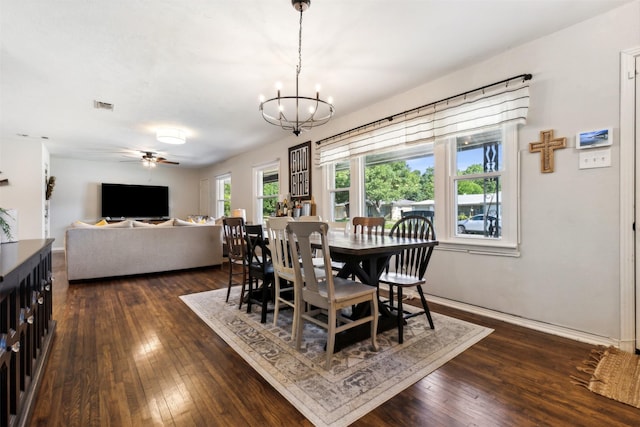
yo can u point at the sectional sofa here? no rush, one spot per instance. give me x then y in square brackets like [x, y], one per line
[129, 248]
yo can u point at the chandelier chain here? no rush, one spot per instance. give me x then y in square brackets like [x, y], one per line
[299, 47]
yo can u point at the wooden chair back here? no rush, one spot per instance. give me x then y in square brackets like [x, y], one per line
[414, 261]
[299, 236]
[278, 245]
[235, 237]
[368, 225]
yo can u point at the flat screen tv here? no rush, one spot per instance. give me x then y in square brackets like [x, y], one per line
[135, 201]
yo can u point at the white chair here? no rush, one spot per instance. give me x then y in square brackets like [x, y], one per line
[282, 267]
[321, 299]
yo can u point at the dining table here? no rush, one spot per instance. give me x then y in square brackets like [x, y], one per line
[366, 257]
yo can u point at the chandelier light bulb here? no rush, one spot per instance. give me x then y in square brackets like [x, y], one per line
[312, 109]
[330, 100]
[262, 98]
[278, 85]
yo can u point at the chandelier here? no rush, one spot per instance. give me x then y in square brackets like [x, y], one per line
[297, 113]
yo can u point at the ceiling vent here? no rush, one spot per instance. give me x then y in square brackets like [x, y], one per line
[99, 105]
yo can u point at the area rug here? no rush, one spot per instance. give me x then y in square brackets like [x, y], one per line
[360, 379]
[612, 373]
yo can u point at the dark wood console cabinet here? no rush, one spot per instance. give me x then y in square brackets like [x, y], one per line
[26, 325]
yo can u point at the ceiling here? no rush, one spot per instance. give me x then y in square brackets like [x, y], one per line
[201, 65]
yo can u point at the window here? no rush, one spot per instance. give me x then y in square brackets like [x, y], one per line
[398, 182]
[473, 202]
[476, 182]
[454, 160]
[339, 191]
[483, 187]
[223, 195]
[267, 190]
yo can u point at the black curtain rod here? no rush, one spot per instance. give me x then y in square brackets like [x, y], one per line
[524, 77]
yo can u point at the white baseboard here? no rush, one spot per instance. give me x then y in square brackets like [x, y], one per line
[527, 323]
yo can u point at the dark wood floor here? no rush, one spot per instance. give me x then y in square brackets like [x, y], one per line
[128, 352]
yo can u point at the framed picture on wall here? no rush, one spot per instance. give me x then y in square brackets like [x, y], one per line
[300, 171]
[594, 138]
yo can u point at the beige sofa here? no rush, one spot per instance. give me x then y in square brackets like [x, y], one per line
[95, 252]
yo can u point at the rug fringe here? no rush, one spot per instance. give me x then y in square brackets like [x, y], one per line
[589, 366]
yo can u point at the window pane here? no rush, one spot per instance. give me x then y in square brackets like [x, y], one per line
[227, 197]
[400, 182]
[343, 176]
[479, 153]
[479, 207]
[270, 192]
[340, 192]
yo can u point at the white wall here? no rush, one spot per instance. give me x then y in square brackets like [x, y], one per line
[567, 273]
[22, 162]
[77, 192]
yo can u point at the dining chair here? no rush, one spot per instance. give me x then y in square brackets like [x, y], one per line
[407, 269]
[318, 261]
[310, 218]
[284, 273]
[322, 298]
[235, 237]
[260, 268]
[368, 225]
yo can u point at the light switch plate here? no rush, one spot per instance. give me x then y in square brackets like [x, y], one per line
[595, 159]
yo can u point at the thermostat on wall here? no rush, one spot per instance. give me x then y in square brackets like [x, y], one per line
[594, 138]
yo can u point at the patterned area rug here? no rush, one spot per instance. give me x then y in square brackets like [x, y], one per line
[612, 373]
[360, 379]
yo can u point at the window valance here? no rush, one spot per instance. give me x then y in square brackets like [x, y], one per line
[500, 103]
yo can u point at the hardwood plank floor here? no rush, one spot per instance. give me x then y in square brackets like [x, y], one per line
[128, 352]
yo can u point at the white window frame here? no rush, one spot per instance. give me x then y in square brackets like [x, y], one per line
[508, 242]
[220, 183]
[258, 173]
[445, 197]
[329, 177]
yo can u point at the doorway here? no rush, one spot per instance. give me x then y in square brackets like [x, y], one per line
[629, 198]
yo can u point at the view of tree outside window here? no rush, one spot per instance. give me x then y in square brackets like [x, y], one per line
[478, 186]
[340, 192]
[399, 182]
[270, 192]
[223, 195]
[403, 182]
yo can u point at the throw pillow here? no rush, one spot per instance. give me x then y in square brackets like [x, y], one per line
[102, 222]
[121, 224]
[142, 224]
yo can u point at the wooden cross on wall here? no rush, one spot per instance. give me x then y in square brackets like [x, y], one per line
[546, 146]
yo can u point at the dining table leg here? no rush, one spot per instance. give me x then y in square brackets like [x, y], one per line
[367, 271]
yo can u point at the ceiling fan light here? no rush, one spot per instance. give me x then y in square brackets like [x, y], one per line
[171, 136]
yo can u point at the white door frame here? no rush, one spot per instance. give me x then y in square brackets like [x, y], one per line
[629, 341]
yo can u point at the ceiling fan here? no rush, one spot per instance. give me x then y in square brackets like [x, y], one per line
[150, 159]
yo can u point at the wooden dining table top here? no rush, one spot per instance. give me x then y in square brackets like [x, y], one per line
[363, 245]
